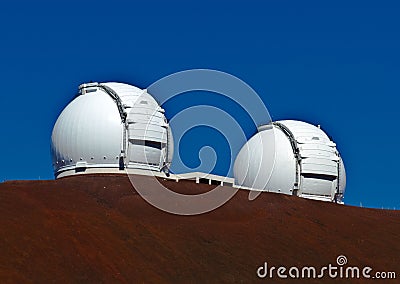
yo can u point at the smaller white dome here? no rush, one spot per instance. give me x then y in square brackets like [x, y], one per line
[292, 157]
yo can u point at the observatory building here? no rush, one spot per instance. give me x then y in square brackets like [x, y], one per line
[110, 127]
[292, 157]
[119, 128]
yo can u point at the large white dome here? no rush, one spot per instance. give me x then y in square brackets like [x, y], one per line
[292, 157]
[111, 127]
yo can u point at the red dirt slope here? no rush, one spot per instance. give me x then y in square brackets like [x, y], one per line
[97, 229]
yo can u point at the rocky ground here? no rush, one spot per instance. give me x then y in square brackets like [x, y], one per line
[97, 229]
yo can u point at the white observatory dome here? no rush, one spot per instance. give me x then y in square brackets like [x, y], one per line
[110, 127]
[292, 157]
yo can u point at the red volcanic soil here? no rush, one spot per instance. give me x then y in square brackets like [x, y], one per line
[97, 229]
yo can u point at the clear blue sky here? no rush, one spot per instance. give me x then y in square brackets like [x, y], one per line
[334, 63]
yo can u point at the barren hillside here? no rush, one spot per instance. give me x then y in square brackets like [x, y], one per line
[97, 229]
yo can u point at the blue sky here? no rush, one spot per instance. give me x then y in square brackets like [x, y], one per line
[333, 63]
